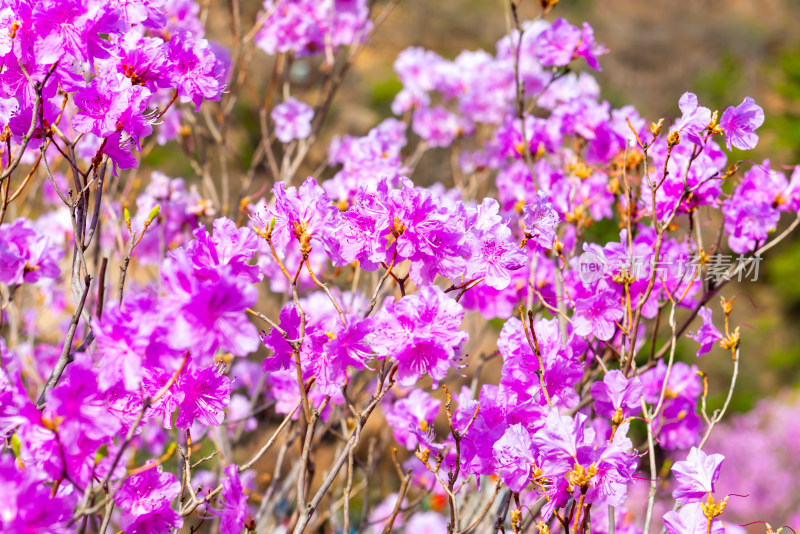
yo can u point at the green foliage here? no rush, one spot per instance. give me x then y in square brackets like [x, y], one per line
[787, 124]
[602, 231]
[719, 88]
[781, 273]
[383, 93]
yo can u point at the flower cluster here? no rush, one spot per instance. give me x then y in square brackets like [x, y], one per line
[563, 391]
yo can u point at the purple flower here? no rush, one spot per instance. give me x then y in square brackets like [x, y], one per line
[234, 503]
[520, 365]
[679, 424]
[426, 522]
[206, 392]
[27, 504]
[148, 13]
[740, 124]
[695, 118]
[596, 315]
[177, 215]
[557, 44]
[617, 394]
[119, 151]
[417, 410]
[306, 26]
[7, 19]
[126, 339]
[26, 255]
[514, 455]
[328, 348]
[748, 223]
[303, 213]
[540, 220]
[142, 59]
[341, 346]
[229, 246]
[164, 519]
[417, 69]
[691, 519]
[292, 120]
[421, 332]
[147, 492]
[568, 449]
[493, 251]
[195, 71]
[438, 127]
[282, 351]
[707, 334]
[696, 475]
[83, 409]
[71, 28]
[426, 232]
[112, 103]
[588, 49]
[208, 313]
[412, 222]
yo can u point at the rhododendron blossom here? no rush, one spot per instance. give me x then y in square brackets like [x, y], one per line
[467, 308]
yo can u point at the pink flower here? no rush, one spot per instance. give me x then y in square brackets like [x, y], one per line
[514, 455]
[540, 220]
[438, 127]
[420, 331]
[696, 475]
[707, 334]
[233, 512]
[417, 410]
[740, 124]
[691, 520]
[82, 407]
[27, 504]
[340, 347]
[195, 71]
[206, 392]
[557, 44]
[520, 365]
[292, 120]
[304, 214]
[596, 315]
[207, 307]
[147, 491]
[494, 252]
[695, 118]
[561, 42]
[26, 255]
[615, 393]
[112, 103]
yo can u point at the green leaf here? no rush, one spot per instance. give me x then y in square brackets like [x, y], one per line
[101, 453]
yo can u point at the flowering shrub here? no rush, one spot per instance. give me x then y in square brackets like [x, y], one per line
[131, 394]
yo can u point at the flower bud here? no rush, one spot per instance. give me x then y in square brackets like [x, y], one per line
[655, 128]
[153, 214]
